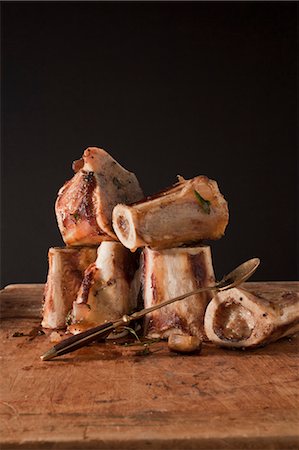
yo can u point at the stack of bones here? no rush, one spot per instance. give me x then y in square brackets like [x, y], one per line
[125, 251]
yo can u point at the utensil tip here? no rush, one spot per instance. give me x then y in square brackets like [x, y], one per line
[49, 355]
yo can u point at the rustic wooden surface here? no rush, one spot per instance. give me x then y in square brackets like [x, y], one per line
[21, 300]
[108, 396]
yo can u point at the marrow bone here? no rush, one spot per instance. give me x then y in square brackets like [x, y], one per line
[85, 203]
[189, 211]
[169, 273]
[109, 289]
[238, 318]
[66, 269]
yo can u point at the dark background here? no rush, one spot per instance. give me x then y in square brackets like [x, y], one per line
[167, 89]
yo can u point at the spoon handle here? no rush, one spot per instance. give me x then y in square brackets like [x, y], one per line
[80, 340]
[145, 311]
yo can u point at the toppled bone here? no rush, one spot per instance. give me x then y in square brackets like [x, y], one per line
[169, 273]
[109, 289]
[66, 269]
[188, 212]
[238, 318]
[85, 203]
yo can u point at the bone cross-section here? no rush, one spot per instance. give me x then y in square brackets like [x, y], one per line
[189, 211]
[169, 273]
[85, 203]
[66, 270]
[109, 289]
[238, 318]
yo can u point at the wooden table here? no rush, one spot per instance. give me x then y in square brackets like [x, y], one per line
[109, 396]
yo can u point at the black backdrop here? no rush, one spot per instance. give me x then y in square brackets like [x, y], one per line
[167, 89]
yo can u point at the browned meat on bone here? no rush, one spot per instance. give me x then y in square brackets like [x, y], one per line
[188, 212]
[109, 289]
[66, 269]
[238, 318]
[85, 203]
[172, 272]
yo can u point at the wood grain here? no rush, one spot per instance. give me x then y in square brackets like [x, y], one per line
[108, 396]
[21, 300]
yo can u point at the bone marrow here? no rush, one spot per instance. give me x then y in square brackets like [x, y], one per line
[233, 322]
[123, 225]
[238, 318]
[168, 273]
[85, 203]
[65, 274]
[190, 211]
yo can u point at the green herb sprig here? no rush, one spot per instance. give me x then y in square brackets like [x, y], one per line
[132, 331]
[75, 216]
[205, 204]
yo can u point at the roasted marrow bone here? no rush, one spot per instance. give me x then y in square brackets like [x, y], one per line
[66, 270]
[171, 272]
[189, 211]
[85, 203]
[238, 318]
[109, 289]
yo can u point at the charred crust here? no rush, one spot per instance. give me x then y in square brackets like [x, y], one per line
[88, 177]
[86, 284]
[86, 207]
[85, 210]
